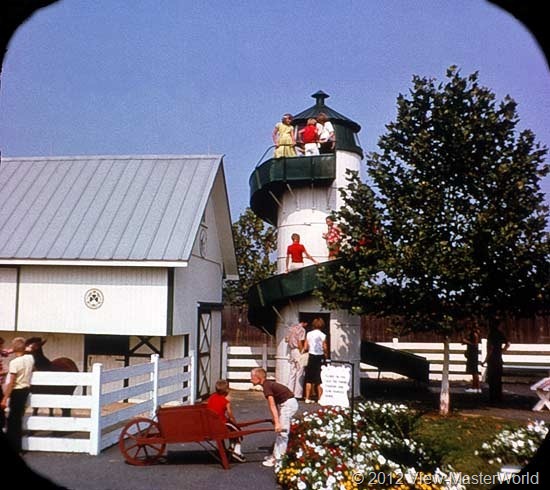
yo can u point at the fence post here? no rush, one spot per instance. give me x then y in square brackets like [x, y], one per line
[482, 357]
[155, 379]
[264, 356]
[224, 360]
[95, 410]
[192, 377]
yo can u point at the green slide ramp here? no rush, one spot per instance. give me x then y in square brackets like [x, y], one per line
[395, 361]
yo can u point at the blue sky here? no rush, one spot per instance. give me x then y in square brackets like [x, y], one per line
[205, 76]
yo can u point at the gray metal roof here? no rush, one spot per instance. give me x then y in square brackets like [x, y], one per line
[103, 208]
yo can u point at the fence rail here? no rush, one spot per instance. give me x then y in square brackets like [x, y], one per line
[518, 360]
[237, 361]
[110, 398]
[433, 353]
[522, 362]
[106, 399]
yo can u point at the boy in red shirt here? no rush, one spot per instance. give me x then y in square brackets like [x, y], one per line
[295, 254]
[220, 403]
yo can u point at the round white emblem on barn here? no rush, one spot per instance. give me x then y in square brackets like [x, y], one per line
[93, 299]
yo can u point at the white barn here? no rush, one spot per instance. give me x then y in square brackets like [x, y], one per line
[113, 258]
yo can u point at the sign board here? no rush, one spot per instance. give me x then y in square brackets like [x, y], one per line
[336, 385]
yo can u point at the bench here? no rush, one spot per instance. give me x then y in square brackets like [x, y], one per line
[143, 441]
[542, 388]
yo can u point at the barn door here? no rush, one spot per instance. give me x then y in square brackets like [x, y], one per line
[204, 352]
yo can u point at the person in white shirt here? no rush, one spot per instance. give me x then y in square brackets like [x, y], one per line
[17, 391]
[325, 130]
[316, 345]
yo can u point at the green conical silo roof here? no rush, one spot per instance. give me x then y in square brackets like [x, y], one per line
[320, 106]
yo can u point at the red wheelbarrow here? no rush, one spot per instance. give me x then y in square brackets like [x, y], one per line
[143, 441]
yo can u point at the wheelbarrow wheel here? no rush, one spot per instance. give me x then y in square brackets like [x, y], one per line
[141, 442]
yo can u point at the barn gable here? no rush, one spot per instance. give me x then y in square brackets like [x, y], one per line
[109, 210]
[112, 245]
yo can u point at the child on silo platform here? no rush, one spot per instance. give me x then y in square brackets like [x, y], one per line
[310, 137]
[295, 254]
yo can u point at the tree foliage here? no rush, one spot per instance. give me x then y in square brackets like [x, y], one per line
[455, 226]
[254, 244]
[13, 13]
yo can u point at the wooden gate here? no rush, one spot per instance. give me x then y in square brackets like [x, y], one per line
[204, 352]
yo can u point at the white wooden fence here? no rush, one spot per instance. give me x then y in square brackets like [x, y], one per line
[104, 402]
[433, 353]
[238, 361]
[521, 361]
[521, 357]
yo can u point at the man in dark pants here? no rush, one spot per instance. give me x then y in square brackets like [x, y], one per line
[497, 343]
[17, 392]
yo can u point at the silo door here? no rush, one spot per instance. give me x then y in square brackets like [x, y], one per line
[204, 347]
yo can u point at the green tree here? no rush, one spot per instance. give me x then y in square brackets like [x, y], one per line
[13, 13]
[457, 212]
[255, 243]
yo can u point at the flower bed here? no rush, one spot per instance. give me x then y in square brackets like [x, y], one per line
[385, 455]
[514, 446]
[383, 450]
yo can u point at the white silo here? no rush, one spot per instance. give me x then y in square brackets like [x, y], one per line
[296, 194]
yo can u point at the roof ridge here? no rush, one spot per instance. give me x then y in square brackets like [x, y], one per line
[114, 157]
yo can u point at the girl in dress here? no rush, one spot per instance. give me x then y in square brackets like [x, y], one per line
[332, 236]
[283, 138]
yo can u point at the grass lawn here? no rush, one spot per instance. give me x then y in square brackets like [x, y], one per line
[397, 445]
[456, 438]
